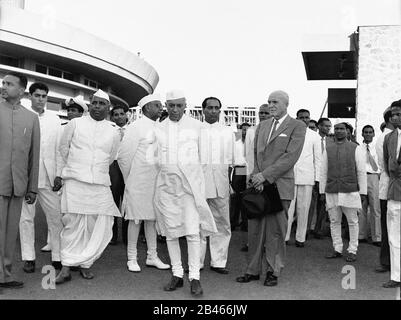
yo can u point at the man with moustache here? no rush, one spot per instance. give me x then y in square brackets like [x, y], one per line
[278, 145]
[180, 202]
[344, 185]
[138, 164]
[88, 146]
[217, 143]
[50, 164]
[19, 168]
[392, 166]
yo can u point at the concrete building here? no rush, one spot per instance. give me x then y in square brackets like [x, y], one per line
[374, 61]
[69, 60]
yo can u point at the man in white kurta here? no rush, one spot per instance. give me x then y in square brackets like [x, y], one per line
[343, 181]
[217, 143]
[88, 146]
[180, 202]
[306, 174]
[138, 164]
[49, 183]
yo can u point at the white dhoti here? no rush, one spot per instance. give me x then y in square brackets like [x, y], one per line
[393, 229]
[88, 221]
[84, 238]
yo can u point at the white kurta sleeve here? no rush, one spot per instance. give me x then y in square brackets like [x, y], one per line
[360, 162]
[65, 141]
[379, 152]
[115, 147]
[317, 158]
[128, 149]
[59, 159]
[323, 173]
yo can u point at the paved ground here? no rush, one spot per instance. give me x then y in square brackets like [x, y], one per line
[307, 275]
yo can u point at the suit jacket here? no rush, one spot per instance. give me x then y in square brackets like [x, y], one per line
[19, 150]
[276, 159]
[391, 166]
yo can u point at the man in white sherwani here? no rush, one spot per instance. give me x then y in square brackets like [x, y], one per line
[88, 146]
[180, 202]
[217, 143]
[49, 182]
[136, 159]
[306, 174]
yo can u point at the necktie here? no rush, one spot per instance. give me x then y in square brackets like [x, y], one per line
[273, 129]
[370, 159]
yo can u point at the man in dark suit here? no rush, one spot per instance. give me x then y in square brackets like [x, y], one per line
[278, 145]
[392, 166]
[19, 168]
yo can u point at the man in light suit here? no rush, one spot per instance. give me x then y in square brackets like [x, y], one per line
[217, 143]
[50, 163]
[19, 168]
[392, 166]
[278, 145]
[306, 172]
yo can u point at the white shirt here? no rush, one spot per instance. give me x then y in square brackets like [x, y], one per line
[373, 152]
[279, 122]
[350, 199]
[398, 142]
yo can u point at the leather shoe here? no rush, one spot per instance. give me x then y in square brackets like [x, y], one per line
[377, 243]
[351, 257]
[334, 255]
[382, 269]
[391, 284]
[62, 278]
[86, 273]
[299, 244]
[12, 285]
[271, 280]
[174, 283]
[362, 241]
[57, 265]
[46, 248]
[247, 278]
[219, 270]
[196, 289]
[244, 248]
[29, 266]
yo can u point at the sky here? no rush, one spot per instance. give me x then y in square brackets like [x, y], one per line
[238, 51]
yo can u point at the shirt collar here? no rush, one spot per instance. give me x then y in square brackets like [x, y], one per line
[279, 122]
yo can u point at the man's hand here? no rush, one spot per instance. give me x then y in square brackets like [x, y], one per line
[58, 183]
[257, 180]
[30, 197]
[259, 189]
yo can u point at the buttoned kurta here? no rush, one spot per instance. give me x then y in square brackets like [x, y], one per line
[180, 200]
[137, 159]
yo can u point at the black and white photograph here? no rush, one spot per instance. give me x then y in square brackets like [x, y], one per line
[199, 158]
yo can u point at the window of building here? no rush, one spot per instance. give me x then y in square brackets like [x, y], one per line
[9, 61]
[55, 73]
[91, 83]
[41, 68]
[68, 76]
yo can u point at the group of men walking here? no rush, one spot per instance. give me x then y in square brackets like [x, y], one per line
[174, 177]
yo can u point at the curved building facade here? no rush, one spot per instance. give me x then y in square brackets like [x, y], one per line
[69, 60]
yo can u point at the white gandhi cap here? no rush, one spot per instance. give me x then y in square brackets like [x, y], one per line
[149, 98]
[102, 94]
[174, 95]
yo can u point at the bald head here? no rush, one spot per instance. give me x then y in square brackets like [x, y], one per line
[278, 104]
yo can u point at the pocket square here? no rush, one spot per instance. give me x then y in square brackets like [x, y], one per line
[283, 135]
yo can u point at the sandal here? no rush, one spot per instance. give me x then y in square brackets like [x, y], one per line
[86, 274]
[351, 257]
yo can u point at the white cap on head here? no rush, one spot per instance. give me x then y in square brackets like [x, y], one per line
[102, 94]
[149, 98]
[79, 101]
[174, 95]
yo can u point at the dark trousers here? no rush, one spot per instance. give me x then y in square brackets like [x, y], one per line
[322, 217]
[385, 248]
[117, 189]
[238, 184]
